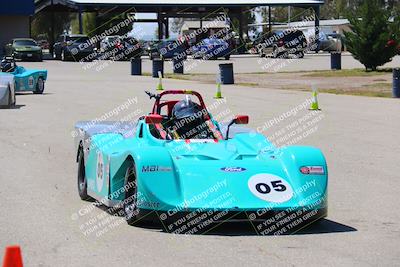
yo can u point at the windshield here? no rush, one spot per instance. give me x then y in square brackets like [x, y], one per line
[213, 41]
[25, 42]
[112, 39]
[77, 39]
[184, 119]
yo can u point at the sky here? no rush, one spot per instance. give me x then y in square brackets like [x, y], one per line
[147, 31]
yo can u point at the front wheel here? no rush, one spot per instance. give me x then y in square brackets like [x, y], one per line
[39, 86]
[82, 181]
[131, 210]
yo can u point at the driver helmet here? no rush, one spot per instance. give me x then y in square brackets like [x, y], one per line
[185, 108]
[7, 65]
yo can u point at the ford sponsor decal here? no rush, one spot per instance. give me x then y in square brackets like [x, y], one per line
[233, 169]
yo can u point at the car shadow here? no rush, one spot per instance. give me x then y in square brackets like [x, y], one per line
[30, 93]
[13, 107]
[18, 106]
[322, 226]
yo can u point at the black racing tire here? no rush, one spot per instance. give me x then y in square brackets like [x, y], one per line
[275, 53]
[39, 86]
[63, 56]
[82, 181]
[131, 211]
[9, 104]
[12, 105]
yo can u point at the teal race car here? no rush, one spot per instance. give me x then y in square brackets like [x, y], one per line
[25, 80]
[180, 167]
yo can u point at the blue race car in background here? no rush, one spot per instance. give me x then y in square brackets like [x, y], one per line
[25, 80]
[167, 49]
[178, 163]
[211, 48]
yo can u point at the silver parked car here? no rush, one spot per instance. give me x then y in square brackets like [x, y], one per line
[330, 42]
[7, 90]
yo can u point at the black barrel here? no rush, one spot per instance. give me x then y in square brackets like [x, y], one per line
[336, 61]
[178, 65]
[396, 82]
[136, 66]
[158, 65]
[226, 73]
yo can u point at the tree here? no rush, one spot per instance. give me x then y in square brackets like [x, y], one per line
[176, 25]
[370, 35]
[88, 23]
[395, 26]
[41, 24]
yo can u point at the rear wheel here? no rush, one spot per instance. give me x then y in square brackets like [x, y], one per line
[82, 181]
[9, 102]
[63, 57]
[39, 86]
[131, 210]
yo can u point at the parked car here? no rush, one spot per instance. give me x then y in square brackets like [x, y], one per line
[340, 39]
[166, 49]
[211, 48]
[120, 47]
[329, 42]
[282, 44]
[44, 44]
[128, 47]
[74, 46]
[7, 89]
[24, 49]
[108, 44]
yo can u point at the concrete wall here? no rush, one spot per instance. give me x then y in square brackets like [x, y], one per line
[12, 26]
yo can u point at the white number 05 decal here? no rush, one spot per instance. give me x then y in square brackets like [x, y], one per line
[270, 188]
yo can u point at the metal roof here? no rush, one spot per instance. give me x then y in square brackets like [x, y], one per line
[195, 24]
[197, 2]
[305, 24]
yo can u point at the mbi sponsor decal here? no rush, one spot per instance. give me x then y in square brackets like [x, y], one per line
[233, 169]
[155, 168]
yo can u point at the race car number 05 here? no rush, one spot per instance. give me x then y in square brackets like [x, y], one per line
[270, 188]
[263, 188]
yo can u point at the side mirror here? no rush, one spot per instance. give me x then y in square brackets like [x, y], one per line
[153, 119]
[239, 119]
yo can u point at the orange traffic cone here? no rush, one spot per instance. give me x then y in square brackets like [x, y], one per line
[12, 257]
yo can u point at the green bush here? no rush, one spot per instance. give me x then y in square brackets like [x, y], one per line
[371, 40]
